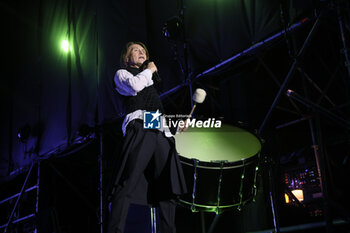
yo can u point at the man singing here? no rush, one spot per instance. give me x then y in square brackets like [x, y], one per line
[150, 170]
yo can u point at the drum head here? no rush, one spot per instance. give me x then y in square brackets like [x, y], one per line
[228, 143]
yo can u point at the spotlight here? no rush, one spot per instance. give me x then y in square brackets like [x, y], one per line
[173, 28]
[66, 47]
[299, 194]
[23, 133]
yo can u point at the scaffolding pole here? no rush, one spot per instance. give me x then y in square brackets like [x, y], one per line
[251, 50]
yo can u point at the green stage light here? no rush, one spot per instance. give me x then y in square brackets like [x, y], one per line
[66, 46]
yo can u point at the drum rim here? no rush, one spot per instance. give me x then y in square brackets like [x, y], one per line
[217, 163]
[214, 208]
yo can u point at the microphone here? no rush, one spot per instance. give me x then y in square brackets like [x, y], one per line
[155, 75]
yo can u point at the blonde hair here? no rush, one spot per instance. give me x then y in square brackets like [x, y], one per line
[124, 57]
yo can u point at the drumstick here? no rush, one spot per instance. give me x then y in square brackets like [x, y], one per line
[198, 98]
[194, 106]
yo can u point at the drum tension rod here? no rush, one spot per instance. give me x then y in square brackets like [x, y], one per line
[195, 177]
[219, 188]
[255, 189]
[241, 187]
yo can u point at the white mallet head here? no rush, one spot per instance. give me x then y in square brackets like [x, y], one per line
[199, 96]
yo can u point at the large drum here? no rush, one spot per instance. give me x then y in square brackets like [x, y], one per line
[220, 167]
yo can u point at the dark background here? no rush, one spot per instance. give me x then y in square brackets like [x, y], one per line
[66, 100]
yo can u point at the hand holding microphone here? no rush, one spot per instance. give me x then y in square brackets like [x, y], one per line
[150, 65]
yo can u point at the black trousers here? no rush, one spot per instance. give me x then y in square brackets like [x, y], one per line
[144, 151]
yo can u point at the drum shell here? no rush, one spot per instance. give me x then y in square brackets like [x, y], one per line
[219, 185]
[220, 167]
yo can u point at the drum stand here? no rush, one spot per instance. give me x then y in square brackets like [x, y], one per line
[153, 219]
[269, 163]
[213, 223]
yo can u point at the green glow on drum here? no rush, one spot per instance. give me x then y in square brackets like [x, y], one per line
[228, 143]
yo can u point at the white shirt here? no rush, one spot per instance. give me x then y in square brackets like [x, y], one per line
[129, 85]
